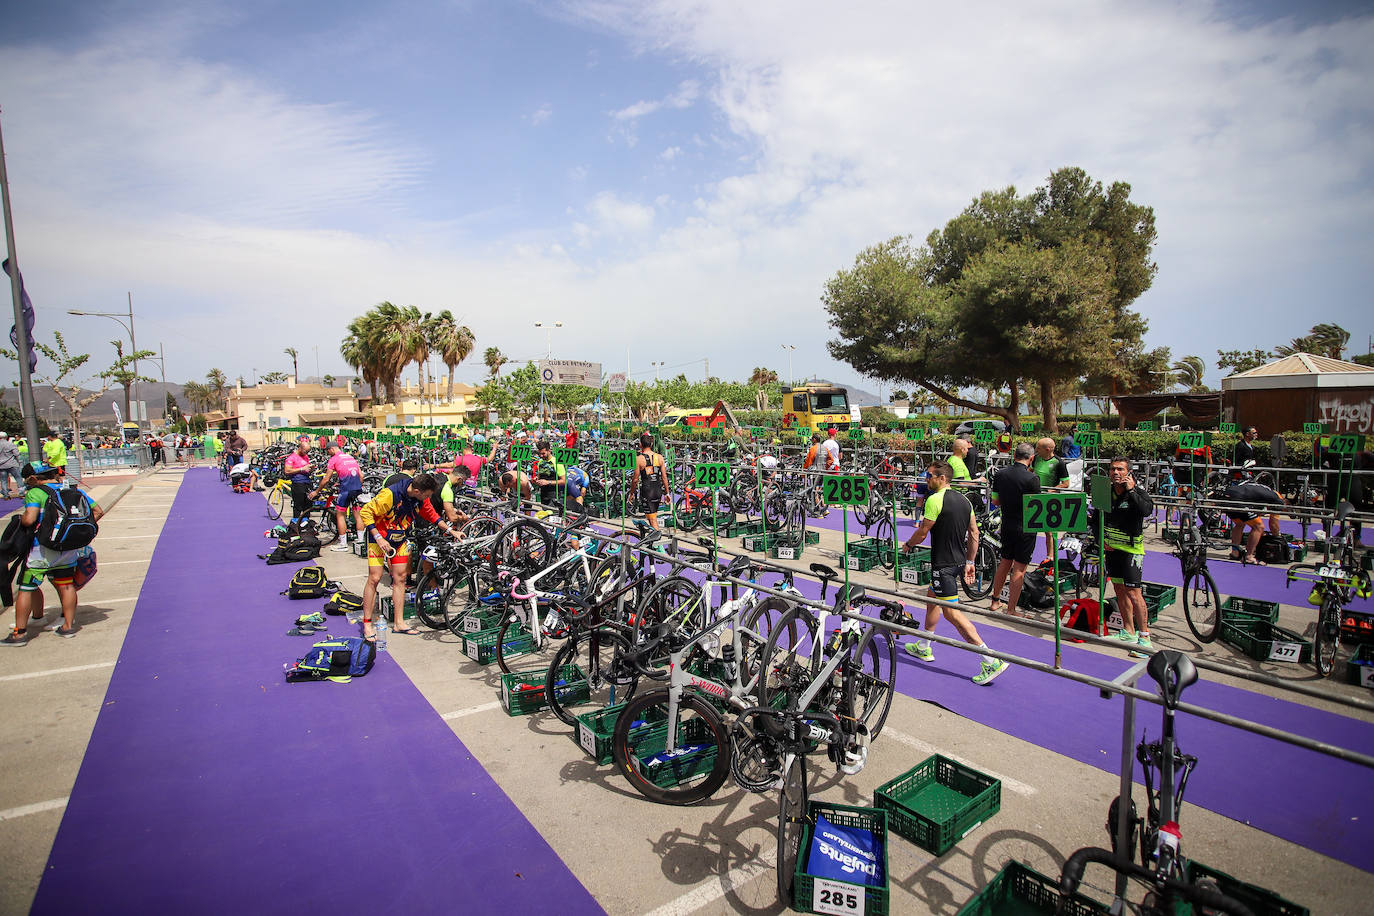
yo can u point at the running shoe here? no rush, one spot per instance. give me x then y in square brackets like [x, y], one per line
[921, 650]
[65, 633]
[17, 637]
[991, 668]
[341, 547]
[1143, 648]
[1128, 638]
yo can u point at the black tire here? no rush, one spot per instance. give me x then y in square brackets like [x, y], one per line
[984, 568]
[431, 597]
[1201, 604]
[882, 531]
[275, 501]
[698, 726]
[791, 826]
[522, 547]
[786, 658]
[515, 661]
[757, 628]
[676, 599]
[1325, 642]
[723, 509]
[598, 654]
[686, 515]
[775, 512]
[870, 687]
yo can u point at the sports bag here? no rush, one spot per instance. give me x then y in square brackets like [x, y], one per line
[343, 601]
[337, 659]
[66, 522]
[1082, 614]
[1037, 590]
[310, 582]
[1273, 549]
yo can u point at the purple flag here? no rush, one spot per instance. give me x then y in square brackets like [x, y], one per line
[27, 307]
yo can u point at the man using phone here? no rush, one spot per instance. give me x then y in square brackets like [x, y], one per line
[1124, 531]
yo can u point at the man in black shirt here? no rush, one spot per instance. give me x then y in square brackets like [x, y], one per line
[948, 519]
[1245, 448]
[1008, 489]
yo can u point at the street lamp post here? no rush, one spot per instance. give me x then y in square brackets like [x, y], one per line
[548, 327]
[119, 317]
[657, 365]
[790, 350]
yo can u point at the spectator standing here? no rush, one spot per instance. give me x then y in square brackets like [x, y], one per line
[1053, 473]
[1009, 489]
[55, 453]
[1245, 448]
[1124, 529]
[155, 449]
[832, 452]
[10, 481]
[948, 519]
[297, 467]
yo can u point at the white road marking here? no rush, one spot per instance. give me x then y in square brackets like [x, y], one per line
[714, 889]
[24, 677]
[104, 563]
[471, 710]
[35, 808]
[1020, 788]
[131, 537]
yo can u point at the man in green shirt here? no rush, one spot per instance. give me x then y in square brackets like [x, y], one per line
[1053, 474]
[958, 466]
[55, 453]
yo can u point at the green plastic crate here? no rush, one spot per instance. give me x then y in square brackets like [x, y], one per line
[359, 548]
[861, 561]
[1360, 669]
[864, 547]
[916, 566]
[1018, 890]
[481, 645]
[384, 603]
[812, 537]
[696, 752]
[478, 620]
[804, 883]
[1162, 595]
[523, 692]
[755, 542]
[1265, 642]
[1261, 902]
[747, 528]
[1114, 621]
[1239, 610]
[938, 802]
[596, 728]
[1168, 535]
[785, 548]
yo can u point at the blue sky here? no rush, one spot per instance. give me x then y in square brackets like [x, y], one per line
[672, 180]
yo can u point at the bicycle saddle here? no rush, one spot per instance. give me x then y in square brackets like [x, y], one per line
[825, 572]
[1173, 672]
[853, 593]
[648, 535]
[738, 566]
[1343, 510]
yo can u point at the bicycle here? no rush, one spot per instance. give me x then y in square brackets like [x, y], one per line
[1337, 583]
[1162, 865]
[1201, 600]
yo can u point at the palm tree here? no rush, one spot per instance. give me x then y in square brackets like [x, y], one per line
[1188, 372]
[291, 352]
[454, 343]
[328, 381]
[219, 387]
[1329, 339]
[197, 395]
[494, 359]
[760, 379]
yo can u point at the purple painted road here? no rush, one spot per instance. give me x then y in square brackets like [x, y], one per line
[211, 785]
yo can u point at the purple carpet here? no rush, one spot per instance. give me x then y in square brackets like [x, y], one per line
[1300, 796]
[211, 785]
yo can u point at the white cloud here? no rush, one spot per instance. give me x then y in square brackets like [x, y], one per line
[687, 93]
[615, 215]
[543, 114]
[671, 153]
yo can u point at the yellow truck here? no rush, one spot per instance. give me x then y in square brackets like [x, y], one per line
[818, 407]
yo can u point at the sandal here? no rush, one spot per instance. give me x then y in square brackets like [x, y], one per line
[1251, 561]
[408, 631]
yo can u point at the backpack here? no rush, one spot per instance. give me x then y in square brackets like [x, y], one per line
[1273, 549]
[343, 601]
[336, 659]
[66, 522]
[1037, 590]
[309, 582]
[1082, 614]
[293, 550]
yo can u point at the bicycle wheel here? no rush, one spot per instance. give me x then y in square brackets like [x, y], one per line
[869, 510]
[791, 825]
[688, 514]
[757, 628]
[677, 601]
[275, 501]
[515, 649]
[984, 568]
[724, 509]
[598, 655]
[790, 665]
[522, 547]
[697, 765]
[1324, 642]
[775, 512]
[431, 597]
[871, 683]
[1201, 604]
[882, 532]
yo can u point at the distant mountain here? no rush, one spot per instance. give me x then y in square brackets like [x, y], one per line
[101, 412]
[858, 397]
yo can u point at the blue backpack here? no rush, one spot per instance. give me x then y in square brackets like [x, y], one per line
[336, 659]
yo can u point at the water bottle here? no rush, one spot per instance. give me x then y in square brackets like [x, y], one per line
[383, 627]
[727, 654]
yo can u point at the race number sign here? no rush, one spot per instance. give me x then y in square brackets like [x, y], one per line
[711, 475]
[1147, 426]
[845, 490]
[1230, 428]
[521, 452]
[894, 428]
[565, 456]
[620, 459]
[915, 434]
[717, 430]
[1082, 425]
[1087, 438]
[856, 435]
[1054, 512]
[758, 432]
[1312, 429]
[1346, 443]
[1191, 440]
[984, 434]
[1027, 426]
[482, 449]
[837, 898]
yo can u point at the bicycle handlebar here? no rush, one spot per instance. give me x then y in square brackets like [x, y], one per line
[1202, 896]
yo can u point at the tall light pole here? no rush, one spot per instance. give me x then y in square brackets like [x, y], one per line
[790, 350]
[548, 327]
[119, 317]
[657, 366]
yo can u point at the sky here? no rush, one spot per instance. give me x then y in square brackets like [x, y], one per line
[673, 180]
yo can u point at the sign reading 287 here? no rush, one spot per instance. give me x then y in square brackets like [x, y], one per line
[1045, 512]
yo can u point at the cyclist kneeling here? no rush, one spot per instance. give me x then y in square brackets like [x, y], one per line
[387, 520]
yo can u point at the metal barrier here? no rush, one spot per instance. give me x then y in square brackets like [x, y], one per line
[82, 462]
